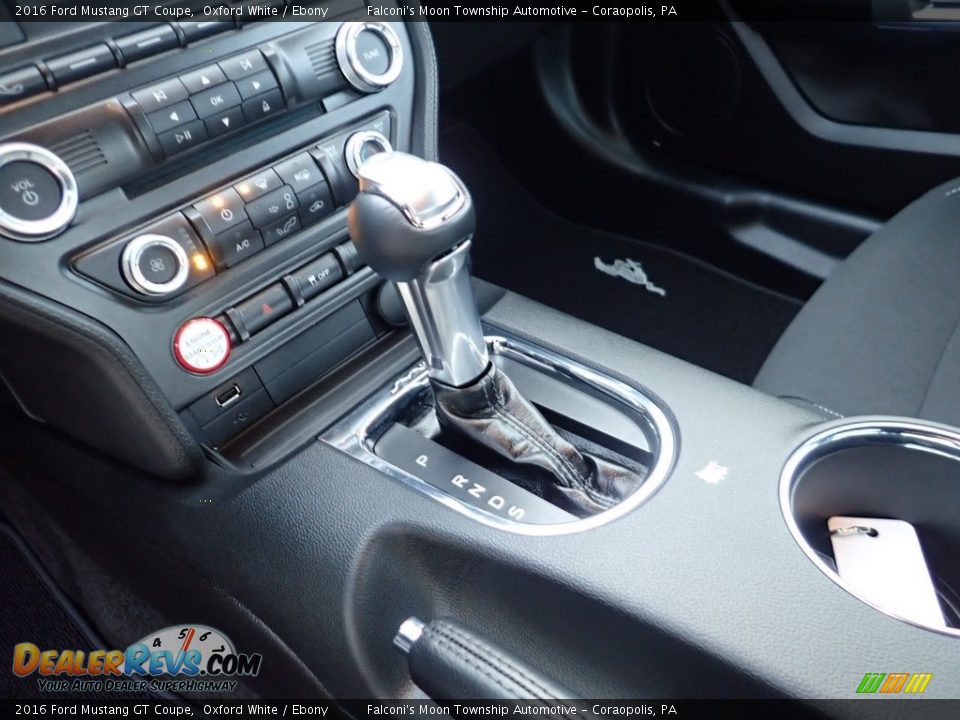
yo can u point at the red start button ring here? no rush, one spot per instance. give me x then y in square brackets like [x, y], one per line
[201, 345]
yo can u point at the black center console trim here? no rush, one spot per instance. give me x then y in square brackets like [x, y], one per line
[372, 433]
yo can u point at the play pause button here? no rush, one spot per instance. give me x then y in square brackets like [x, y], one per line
[171, 117]
[227, 121]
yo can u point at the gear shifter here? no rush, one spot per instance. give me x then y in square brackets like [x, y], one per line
[413, 223]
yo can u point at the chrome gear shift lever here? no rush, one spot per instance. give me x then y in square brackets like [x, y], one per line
[412, 222]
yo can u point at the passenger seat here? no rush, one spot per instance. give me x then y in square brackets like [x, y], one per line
[882, 334]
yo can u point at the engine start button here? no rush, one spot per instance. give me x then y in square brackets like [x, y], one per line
[201, 345]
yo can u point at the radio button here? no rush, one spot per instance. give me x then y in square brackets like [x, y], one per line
[299, 172]
[235, 245]
[221, 212]
[160, 95]
[81, 64]
[271, 207]
[199, 29]
[215, 100]
[225, 122]
[16, 85]
[241, 66]
[183, 138]
[149, 42]
[263, 106]
[258, 185]
[282, 230]
[171, 117]
[256, 84]
[203, 79]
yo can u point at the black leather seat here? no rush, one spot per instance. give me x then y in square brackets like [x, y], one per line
[882, 335]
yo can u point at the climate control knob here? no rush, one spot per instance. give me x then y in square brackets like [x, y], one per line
[369, 54]
[155, 265]
[363, 145]
[38, 193]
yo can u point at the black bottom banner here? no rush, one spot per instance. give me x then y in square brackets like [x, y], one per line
[614, 709]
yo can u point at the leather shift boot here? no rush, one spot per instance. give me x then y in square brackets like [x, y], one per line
[493, 413]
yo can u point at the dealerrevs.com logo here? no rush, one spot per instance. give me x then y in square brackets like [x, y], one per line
[180, 658]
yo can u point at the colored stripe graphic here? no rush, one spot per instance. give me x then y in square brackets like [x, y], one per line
[918, 682]
[871, 682]
[894, 683]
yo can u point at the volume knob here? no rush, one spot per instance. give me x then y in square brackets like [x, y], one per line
[155, 265]
[38, 193]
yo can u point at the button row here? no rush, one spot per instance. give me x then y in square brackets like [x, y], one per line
[262, 209]
[210, 101]
[259, 311]
[81, 64]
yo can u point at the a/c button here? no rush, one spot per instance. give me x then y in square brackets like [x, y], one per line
[235, 245]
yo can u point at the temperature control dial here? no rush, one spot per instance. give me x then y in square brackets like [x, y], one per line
[155, 265]
[361, 146]
[369, 55]
[38, 193]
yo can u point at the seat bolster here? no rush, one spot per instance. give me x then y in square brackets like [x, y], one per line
[880, 335]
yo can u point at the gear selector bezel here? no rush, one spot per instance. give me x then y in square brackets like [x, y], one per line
[358, 433]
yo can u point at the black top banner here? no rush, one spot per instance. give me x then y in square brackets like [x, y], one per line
[244, 11]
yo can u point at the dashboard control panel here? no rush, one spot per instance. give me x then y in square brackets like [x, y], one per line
[203, 104]
[219, 231]
[187, 193]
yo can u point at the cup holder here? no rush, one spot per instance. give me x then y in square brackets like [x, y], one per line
[899, 469]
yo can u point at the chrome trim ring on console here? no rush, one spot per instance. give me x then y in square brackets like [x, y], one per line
[357, 433]
[349, 60]
[907, 432]
[130, 263]
[355, 145]
[44, 229]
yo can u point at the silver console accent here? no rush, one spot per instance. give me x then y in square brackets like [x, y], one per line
[909, 433]
[353, 150]
[348, 56]
[427, 193]
[45, 228]
[130, 263]
[358, 432]
[443, 313]
[408, 634]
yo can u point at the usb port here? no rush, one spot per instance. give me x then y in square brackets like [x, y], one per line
[229, 396]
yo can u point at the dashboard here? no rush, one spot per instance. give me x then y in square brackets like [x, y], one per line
[180, 189]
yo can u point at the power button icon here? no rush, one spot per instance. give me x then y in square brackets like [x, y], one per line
[38, 193]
